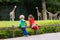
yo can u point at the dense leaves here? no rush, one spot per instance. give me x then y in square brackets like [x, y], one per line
[53, 5]
[18, 32]
[26, 7]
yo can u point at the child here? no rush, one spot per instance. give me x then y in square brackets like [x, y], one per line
[22, 25]
[31, 22]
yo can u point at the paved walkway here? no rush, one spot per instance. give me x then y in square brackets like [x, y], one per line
[49, 36]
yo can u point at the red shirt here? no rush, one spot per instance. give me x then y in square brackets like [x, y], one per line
[31, 21]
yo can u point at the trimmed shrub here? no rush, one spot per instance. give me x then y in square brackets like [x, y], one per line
[57, 29]
[41, 30]
[49, 29]
[18, 32]
[9, 33]
[30, 31]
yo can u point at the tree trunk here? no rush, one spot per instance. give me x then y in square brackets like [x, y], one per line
[44, 10]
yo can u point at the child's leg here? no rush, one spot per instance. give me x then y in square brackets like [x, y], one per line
[35, 28]
[24, 31]
[35, 32]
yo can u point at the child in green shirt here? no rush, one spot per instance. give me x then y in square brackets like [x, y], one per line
[22, 25]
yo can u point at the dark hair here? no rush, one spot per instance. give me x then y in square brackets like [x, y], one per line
[30, 16]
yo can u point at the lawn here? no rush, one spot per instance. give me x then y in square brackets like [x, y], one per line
[16, 23]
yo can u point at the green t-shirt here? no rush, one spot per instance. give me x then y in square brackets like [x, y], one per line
[22, 23]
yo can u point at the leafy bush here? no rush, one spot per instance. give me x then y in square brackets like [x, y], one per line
[41, 30]
[9, 33]
[18, 32]
[57, 29]
[49, 29]
[30, 31]
[5, 34]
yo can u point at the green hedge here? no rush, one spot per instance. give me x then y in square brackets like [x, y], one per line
[18, 32]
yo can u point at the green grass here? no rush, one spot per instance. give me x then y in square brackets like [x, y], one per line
[46, 22]
[16, 23]
[8, 23]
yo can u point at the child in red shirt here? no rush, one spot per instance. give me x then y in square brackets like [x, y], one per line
[31, 22]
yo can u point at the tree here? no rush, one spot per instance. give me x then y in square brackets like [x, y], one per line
[44, 10]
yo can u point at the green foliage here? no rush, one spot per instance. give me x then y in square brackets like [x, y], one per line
[0, 0]
[18, 32]
[58, 29]
[6, 0]
[16, 23]
[9, 33]
[49, 29]
[30, 31]
[5, 34]
[53, 5]
[41, 30]
[26, 7]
